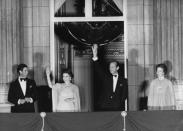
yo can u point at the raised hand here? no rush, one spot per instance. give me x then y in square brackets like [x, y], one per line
[95, 50]
[48, 71]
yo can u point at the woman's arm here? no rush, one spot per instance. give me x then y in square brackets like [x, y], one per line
[172, 95]
[77, 99]
[48, 72]
[150, 95]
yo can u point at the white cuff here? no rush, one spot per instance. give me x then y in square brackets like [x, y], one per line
[18, 101]
[31, 100]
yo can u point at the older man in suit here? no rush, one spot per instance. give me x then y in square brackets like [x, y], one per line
[115, 87]
[22, 92]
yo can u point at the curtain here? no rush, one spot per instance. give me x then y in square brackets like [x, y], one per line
[154, 121]
[92, 121]
[20, 122]
[9, 39]
[168, 36]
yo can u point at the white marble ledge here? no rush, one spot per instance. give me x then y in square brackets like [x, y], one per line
[6, 105]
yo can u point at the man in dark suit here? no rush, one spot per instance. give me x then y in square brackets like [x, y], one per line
[115, 87]
[22, 92]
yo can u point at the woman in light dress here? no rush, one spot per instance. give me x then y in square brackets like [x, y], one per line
[68, 99]
[161, 94]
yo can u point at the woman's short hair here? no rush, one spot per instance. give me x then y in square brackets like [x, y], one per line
[21, 67]
[163, 66]
[68, 71]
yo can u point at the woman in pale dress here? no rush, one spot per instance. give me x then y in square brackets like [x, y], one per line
[161, 94]
[68, 99]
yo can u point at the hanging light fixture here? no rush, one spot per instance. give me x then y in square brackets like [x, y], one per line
[90, 33]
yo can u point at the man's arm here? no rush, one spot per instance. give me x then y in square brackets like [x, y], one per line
[12, 97]
[97, 65]
[125, 90]
[95, 52]
[34, 93]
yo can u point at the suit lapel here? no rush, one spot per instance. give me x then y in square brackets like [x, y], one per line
[19, 88]
[111, 84]
[27, 85]
[118, 84]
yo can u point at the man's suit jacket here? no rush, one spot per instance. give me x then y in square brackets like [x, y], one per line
[109, 100]
[15, 93]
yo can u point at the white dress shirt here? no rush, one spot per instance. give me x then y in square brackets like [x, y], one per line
[23, 85]
[115, 79]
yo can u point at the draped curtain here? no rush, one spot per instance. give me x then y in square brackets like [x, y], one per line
[20, 122]
[168, 35]
[9, 38]
[93, 121]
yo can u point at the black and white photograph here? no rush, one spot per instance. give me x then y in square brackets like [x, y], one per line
[91, 65]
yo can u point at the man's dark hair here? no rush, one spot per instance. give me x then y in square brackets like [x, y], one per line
[117, 63]
[21, 67]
